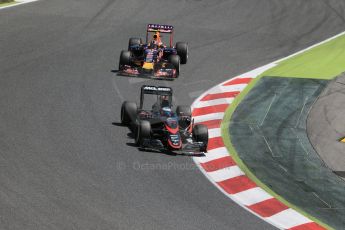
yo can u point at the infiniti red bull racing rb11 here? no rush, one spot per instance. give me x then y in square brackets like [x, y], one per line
[154, 59]
[161, 129]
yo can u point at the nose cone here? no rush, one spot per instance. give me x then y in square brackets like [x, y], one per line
[148, 66]
[174, 141]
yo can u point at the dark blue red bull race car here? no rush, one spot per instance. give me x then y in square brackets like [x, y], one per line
[161, 129]
[154, 58]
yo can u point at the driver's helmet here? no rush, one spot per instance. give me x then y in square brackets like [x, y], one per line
[166, 111]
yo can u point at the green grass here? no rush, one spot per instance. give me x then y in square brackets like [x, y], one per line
[322, 62]
[6, 3]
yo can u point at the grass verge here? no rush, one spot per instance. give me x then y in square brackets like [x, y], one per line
[325, 61]
[6, 3]
[322, 62]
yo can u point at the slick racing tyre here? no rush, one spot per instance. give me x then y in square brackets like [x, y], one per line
[128, 112]
[134, 42]
[183, 110]
[200, 134]
[143, 132]
[182, 51]
[125, 58]
[175, 61]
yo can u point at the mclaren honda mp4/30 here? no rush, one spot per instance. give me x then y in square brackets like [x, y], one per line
[159, 128]
[154, 58]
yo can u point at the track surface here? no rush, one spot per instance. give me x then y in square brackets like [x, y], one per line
[64, 165]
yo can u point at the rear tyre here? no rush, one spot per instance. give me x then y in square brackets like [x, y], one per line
[175, 61]
[128, 112]
[125, 58]
[200, 134]
[183, 110]
[182, 51]
[143, 132]
[134, 42]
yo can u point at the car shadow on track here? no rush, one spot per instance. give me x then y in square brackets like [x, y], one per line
[142, 77]
[131, 144]
[118, 124]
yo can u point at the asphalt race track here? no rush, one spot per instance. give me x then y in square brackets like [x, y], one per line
[65, 163]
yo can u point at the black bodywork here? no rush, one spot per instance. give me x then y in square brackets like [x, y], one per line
[150, 60]
[171, 133]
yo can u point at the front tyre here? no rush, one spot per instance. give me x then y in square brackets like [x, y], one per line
[175, 61]
[200, 134]
[143, 132]
[125, 58]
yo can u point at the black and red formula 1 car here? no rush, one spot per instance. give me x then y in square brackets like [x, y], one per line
[154, 58]
[159, 128]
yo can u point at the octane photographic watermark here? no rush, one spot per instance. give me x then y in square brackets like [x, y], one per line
[149, 166]
[164, 166]
[171, 165]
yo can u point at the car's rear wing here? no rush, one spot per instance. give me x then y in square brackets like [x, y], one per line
[158, 90]
[160, 28]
